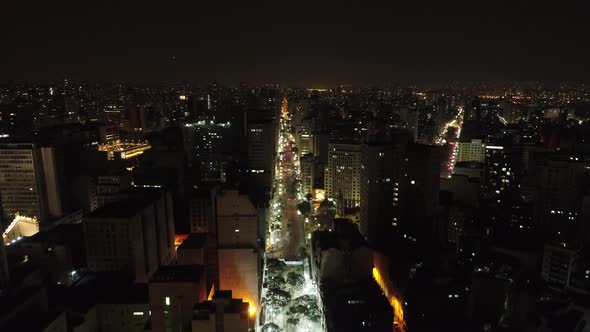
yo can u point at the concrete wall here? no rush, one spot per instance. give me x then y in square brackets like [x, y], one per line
[60, 324]
[122, 317]
[182, 297]
[52, 189]
[191, 256]
[237, 220]
[239, 272]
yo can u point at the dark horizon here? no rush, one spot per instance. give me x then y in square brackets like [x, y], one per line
[306, 44]
[449, 84]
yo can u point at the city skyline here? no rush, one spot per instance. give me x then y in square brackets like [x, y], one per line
[382, 209]
[378, 166]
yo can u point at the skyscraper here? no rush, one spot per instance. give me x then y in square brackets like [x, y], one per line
[260, 147]
[321, 146]
[237, 232]
[498, 174]
[261, 138]
[382, 177]
[204, 146]
[202, 210]
[423, 164]
[473, 109]
[135, 236]
[561, 181]
[305, 135]
[307, 163]
[409, 120]
[29, 183]
[342, 176]
[471, 151]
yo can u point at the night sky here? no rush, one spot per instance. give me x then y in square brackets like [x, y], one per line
[308, 43]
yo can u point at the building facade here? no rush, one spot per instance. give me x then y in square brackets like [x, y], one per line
[239, 270]
[173, 291]
[342, 174]
[471, 151]
[261, 151]
[498, 174]
[560, 181]
[237, 220]
[382, 178]
[28, 182]
[203, 142]
[135, 236]
[307, 163]
[222, 313]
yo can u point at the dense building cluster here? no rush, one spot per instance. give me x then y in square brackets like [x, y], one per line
[215, 208]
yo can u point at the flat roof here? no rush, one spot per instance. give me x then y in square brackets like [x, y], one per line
[98, 288]
[194, 241]
[202, 310]
[127, 207]
[178, 273]
[32, 320]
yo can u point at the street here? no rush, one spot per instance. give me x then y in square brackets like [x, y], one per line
[286, 276]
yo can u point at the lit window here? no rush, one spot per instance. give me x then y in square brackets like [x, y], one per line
[137, 313]
[167, 300]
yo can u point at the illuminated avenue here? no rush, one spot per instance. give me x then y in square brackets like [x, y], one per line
[285, 234]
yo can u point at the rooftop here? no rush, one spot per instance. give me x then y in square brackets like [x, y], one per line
[11, 300]
[178, 273]
[360, 306]
[99, 288]
[345, 234]
[204, 309]
[23, 322]
[59, 234]
[194, 241]
[129, 207]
